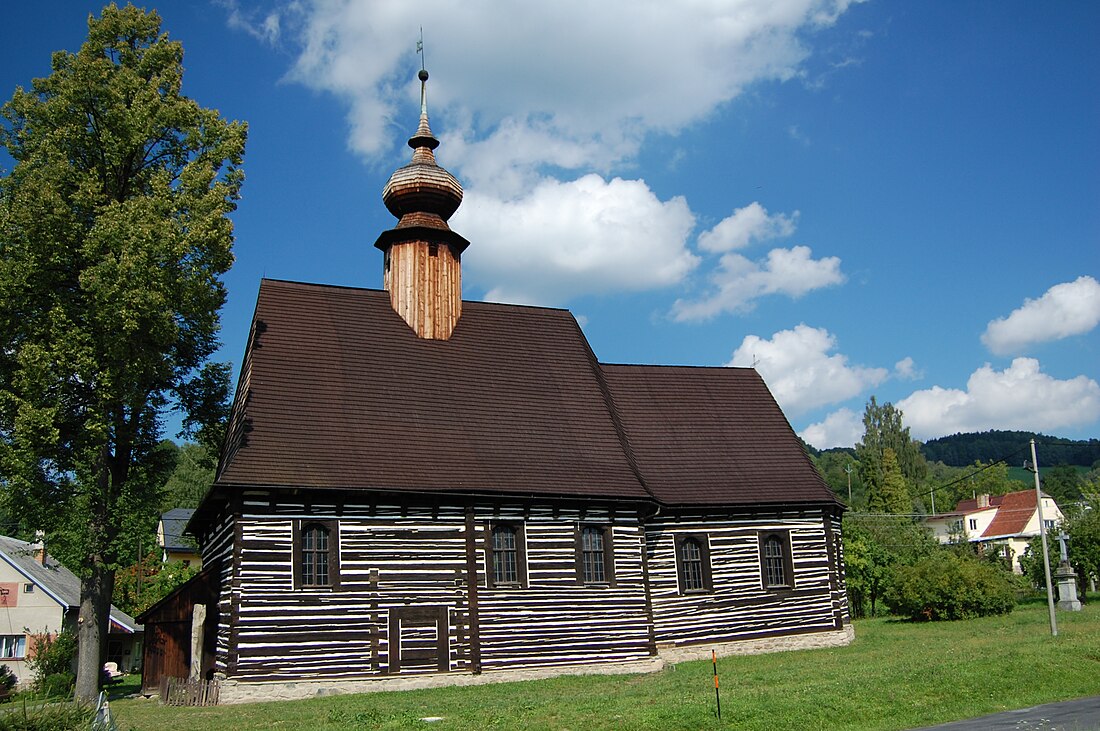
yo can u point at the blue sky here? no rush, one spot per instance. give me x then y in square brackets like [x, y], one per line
[890, 199]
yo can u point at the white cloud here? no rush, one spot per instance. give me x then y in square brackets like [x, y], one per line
[745, 225]
[1066, 309]
[738, 281]
[906, 370]
[266, 29]
[617, 75]
[535, 94]
[616, 236]
[801, 371]
[842, 428]
[1019, 397]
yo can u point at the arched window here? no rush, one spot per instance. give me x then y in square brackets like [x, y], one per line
[315, 548]
[776, 568]
[316, 554]
[593, 568]
[691, 565]
[506, 552]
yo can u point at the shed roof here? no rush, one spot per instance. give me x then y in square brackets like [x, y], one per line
[336, 391]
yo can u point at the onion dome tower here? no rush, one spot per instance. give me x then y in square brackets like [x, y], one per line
[422, 268]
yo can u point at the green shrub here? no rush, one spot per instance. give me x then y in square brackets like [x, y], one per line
[7, 682]
[947, 585]
[57, 684]
[47, 717]
[52, 656]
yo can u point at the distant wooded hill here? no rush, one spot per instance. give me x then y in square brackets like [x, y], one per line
[959, 450]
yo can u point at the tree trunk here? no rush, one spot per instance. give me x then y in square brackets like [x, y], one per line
[94, 622]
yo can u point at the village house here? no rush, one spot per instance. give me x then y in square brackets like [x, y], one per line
[39, 596]
[175, 546]
[1004, 524]
[417, 489]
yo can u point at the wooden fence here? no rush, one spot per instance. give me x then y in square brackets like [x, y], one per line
[185, 692]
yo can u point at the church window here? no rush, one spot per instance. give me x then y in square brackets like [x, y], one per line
[595, 557]
[506, 555]
[693, 563]
[776, 569]
[316, 554]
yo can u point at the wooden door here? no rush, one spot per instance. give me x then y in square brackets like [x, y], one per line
[167, 652]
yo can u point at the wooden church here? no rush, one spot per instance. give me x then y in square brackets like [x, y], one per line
[417, 490]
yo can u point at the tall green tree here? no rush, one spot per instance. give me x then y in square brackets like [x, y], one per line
[114, 234]
[891, 494]
[189, 481]
[883, 428]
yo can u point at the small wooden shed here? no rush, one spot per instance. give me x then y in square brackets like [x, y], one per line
[179, 624]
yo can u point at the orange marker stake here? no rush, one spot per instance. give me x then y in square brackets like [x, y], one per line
[717, 698]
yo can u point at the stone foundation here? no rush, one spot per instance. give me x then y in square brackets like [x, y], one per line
[233, 691]
[237, 692]
[673, 654]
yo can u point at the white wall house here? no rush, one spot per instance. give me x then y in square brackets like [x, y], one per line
[40, 596]
[998, 522]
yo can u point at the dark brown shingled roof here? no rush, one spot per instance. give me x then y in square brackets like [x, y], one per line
[711, 436]
[342, 394]
[338, 392]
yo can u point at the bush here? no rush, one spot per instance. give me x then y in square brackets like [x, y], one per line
[54, 656]
[7, 682]
[947, 585]
[58, 684]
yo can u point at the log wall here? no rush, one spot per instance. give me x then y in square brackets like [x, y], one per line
[218, 546]
[407, 573]
[739, 606]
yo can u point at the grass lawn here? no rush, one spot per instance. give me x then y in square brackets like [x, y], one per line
[895, 675]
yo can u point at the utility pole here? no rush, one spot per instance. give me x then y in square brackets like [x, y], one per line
[848, 469]
[1043, 533]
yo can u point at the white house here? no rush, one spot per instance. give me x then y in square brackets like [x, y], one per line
[998, 522]
[40, 596]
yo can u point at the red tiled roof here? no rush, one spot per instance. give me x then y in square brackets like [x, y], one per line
[338, 392]
[1013, 513]
[970, 505]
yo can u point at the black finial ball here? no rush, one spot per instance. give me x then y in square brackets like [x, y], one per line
[423, 75]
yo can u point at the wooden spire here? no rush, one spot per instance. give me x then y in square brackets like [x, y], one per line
[422, 270]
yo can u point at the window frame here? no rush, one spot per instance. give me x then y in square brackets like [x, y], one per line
[783, 538]
[332, 527]
[15, 643]
[520, 533]
[604, 530]
[702, 540]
